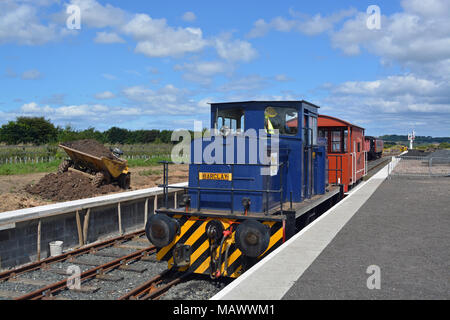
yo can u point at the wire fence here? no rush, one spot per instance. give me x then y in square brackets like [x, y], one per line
[50, 153]
[420, 166]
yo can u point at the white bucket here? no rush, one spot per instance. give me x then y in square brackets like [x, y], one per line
[55, 248]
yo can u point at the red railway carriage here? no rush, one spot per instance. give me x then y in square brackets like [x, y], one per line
[374, 147]
[346, 151]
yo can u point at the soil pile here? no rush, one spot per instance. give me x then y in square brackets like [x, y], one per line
[91, 147]
[68, 186]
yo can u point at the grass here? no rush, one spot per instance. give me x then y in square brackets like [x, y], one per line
[26, 168]
[133, 163]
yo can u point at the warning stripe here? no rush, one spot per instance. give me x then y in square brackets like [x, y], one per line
[193, 234]
[187, 229]
[235, 259]
[197, 238]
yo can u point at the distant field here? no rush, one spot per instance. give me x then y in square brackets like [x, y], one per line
[34, 159]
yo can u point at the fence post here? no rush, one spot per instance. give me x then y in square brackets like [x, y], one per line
[39, 240]
[430, 164]
[119, 214]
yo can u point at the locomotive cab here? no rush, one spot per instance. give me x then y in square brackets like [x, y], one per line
[247, 180]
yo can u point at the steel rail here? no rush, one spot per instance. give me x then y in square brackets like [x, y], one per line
[61, 285]
[144, 288]
[158, 292]
[70, 254]
[148, 290]
[380, 163]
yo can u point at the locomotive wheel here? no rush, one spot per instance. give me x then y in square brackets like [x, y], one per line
[64, 166]
[98, 179]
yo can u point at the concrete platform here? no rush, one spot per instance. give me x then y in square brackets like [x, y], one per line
[400, 226]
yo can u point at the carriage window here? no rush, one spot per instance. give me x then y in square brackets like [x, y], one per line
[283, 119]
[230, 119]
[336, 141]
[345, 140]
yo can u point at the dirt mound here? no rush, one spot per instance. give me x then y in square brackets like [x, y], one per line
[14, 201]
[91, 147]
[68, 186]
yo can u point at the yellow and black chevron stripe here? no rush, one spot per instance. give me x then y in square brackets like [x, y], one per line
[192, 233]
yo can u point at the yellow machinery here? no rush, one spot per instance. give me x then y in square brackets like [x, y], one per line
[102, 170]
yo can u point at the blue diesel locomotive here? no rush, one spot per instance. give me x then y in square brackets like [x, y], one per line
[258, 178]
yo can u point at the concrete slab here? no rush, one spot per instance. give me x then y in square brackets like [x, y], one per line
[403, 229]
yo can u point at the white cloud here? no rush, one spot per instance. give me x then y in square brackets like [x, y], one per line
[189, 16]
[416, 39]
[392, 86]
[31, 75]
[30, 107]
[108, 37]
[156, 39]
[95, 15]
[105, 95]
[302, 23]
[234, 50]
[247, 83]
[419, 35]
[392, 104]
[83, 113]
[167, 100]
[20, 24]
[203, 68]
[10, 73]
[109, 76]
[203, 71]
[282, 78]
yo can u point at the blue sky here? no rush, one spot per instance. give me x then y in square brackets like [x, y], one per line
[156, 64]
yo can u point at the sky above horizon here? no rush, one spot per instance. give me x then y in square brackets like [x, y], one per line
[157, 64]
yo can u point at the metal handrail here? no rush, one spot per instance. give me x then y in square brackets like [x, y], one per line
[166, 186]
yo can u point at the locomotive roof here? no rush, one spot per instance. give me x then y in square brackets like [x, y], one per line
[267, 101]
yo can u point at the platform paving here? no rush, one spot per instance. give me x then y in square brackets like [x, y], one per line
[404, 229]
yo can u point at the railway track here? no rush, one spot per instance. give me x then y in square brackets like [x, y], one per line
[374, 165]
[103, 268]
[156, 287]
[121, 268]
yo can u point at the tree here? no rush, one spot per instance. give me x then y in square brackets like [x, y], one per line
[116, 135]
[36, 130]
[165, 136]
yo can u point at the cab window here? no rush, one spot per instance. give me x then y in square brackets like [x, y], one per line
[230, 119]
[283, 119]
